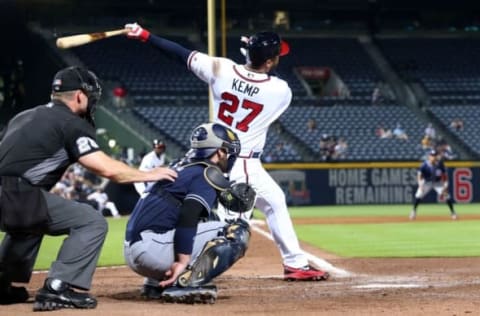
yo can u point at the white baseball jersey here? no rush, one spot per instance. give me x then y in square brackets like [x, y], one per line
[245, 101]
[149, 161]
[248, 103]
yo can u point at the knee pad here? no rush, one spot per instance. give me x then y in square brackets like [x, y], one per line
[217, 255]
[238, 232]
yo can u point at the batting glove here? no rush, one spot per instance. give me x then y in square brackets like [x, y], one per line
[137, 32]
[243, 45]
[243, 48]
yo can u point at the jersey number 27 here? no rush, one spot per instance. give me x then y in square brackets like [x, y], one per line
[230, 105]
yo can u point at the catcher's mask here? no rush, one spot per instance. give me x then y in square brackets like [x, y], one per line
[78, 78]
[265, 45]
[206, 139]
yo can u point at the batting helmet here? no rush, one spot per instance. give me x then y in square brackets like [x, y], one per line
[265, 45]
[207, 138]
[158, 143]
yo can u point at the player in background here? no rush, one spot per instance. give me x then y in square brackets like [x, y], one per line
[152, 160]
[248, 99]
[432, 174]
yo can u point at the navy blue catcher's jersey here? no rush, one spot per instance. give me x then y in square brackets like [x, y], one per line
[432, 173]
[159, 212]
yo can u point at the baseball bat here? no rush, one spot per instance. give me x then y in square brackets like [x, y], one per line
[82, 39]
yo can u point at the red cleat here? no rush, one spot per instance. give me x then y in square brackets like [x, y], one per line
[307, 273]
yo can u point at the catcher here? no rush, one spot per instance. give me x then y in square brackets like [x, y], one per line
[172, 237]
[432, 174]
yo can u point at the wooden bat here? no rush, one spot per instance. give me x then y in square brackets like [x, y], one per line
[82, 39]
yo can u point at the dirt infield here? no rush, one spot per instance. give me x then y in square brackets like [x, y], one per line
[423, 286]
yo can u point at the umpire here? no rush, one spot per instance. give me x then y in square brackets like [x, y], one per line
[37, 147]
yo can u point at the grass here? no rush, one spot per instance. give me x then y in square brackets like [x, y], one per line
[378, 210]
[421, 239]
[112, 252]
[407, 239]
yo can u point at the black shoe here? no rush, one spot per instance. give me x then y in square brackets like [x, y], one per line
[151, 292]
[13, 294]
[206, 294]
[56, 294]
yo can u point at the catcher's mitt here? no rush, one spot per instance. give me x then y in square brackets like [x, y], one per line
[239, 198]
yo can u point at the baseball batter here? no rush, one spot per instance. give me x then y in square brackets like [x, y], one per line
[248, 99]
[432, 174]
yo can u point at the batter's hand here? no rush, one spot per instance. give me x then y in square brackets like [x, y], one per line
[172, 274]
[243, 45]
[137, 32]
[164, 173]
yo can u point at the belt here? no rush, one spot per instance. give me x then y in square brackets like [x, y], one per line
[252, 154]
[138, 237]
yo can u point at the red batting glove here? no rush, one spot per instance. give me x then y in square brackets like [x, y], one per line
[137, 32]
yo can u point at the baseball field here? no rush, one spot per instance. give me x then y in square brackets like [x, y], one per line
[381, 264]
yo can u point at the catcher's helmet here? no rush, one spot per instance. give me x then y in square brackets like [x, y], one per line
[207, 138]
[265, 45]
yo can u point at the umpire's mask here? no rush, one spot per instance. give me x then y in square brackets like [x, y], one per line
[78, 78]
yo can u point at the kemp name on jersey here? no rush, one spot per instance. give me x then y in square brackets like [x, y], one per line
[244, 87]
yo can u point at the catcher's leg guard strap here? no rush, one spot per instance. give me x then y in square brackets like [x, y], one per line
[217, 256]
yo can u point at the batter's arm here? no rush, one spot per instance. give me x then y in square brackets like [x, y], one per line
[169, 47]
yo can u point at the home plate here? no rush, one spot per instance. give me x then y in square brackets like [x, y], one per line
[386, 285]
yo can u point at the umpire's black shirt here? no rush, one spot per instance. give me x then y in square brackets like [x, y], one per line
[39, 144]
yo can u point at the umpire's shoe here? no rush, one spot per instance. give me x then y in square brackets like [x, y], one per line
[12, 294]
[57, 294]
[206, 294]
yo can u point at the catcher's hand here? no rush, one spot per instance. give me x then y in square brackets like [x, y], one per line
[137, 32]
[239, 198]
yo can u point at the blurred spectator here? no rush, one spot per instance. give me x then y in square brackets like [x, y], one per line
[119, 95]
[445, 150]
[430, 131]
[377, 97]
[400, 133]
[268, 158]
[340, 149]
[327, 147]
[311, 125]
[457, 124]
[381, 93]
[278, 149]
[382, 133]
[103, 204]
[427, 143]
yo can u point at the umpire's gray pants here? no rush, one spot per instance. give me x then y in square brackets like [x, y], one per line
[78, 256]
[154, 254]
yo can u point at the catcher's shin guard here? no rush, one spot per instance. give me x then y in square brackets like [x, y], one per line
[217, 255]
